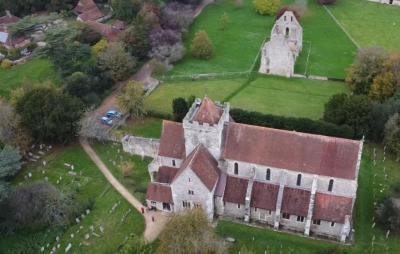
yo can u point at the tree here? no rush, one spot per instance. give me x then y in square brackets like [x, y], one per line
[91, 128]
[11, 131]
[36, 206]
[388, 214]
[77, 84]
[334, 112]
[383, 87]
[379, 115]
[50, 115]
[224, 21]
[4, 191]
[100, 47]
[86, 34]
[180, 108]
[176, 16]
[126, 9]
[267, 7]
[190, 233]
[369, 63]
[202, 46]
[167, 46]
[392, 135]
[131, 100]
[393, 66]
[10, 162]
[116, 62]
[136, 39]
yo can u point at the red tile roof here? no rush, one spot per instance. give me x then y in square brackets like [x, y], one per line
[85, 5]
[166, 174]
[8, 19]
[92, 14]
[172, 142]
[264, 196]
[159, 192]
[332, 208]
[235, 190]
[204, 165]
[208, 112]
[295, 201]
[301, 152]
[105, 30]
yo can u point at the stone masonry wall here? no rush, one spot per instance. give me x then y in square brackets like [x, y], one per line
[141, 146]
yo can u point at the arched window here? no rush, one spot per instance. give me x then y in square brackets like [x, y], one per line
[287, 32]
[268, 174]
[173, 163]
[330, 186]
[298, 179]
[236, 168]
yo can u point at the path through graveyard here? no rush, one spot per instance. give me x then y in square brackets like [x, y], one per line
[153, 228]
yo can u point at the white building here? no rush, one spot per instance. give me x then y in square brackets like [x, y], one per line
[391, 2]
[283, 179]
[278, 56]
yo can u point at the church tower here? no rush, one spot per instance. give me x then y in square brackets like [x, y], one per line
[204, 124]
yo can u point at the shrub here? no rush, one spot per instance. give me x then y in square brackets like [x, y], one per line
[127, 168]
[179, 107]
[267, 7]
[14, 53]
[202, 46]
[388, 214]
[392, 135]
[291, 123]
[6, 64]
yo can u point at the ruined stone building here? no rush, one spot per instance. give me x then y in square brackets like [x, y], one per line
[282, 179]
[391, 2]
[278, 56]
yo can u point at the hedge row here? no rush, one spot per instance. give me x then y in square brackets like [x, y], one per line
[292, 123]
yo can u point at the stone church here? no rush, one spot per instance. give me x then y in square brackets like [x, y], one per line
[278, 56]
[282, 179]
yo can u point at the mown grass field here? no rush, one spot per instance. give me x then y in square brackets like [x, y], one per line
[373, 186]
[266, 94]
[370, 24]
[34, 71]
[236, 47]
[148, 128]
[113, 156]
[287, 97]
[330, 51]
[161, 99]
[94, 187]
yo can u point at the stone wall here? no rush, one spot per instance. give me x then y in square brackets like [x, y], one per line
[141, 146]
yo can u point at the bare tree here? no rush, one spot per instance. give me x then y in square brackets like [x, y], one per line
[91, 128]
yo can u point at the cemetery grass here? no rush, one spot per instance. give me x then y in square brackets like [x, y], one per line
[33, 71]
[94, 189]
[236, 47]
[137, 182]
[287, 97]
[331, 51]
[370, 24]
[370, 190]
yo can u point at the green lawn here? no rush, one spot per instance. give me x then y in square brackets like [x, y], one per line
[331, 51]
[147, 128]
[113, 155]
[235, 48]
[287, 97]
[93, 186]
[371, 189]
[370, 24]
[35, 71]
[161, 99]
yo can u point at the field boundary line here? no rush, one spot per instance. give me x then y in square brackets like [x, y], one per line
[341, 26]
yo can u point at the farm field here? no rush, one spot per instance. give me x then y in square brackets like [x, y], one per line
[287, 97]
[370, 24]
[371, 189]
[330, 51]
[93, 189]
[113, 156]
[34, 71]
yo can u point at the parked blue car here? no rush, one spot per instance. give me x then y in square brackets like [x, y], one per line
[114, 114]
[107, 121]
